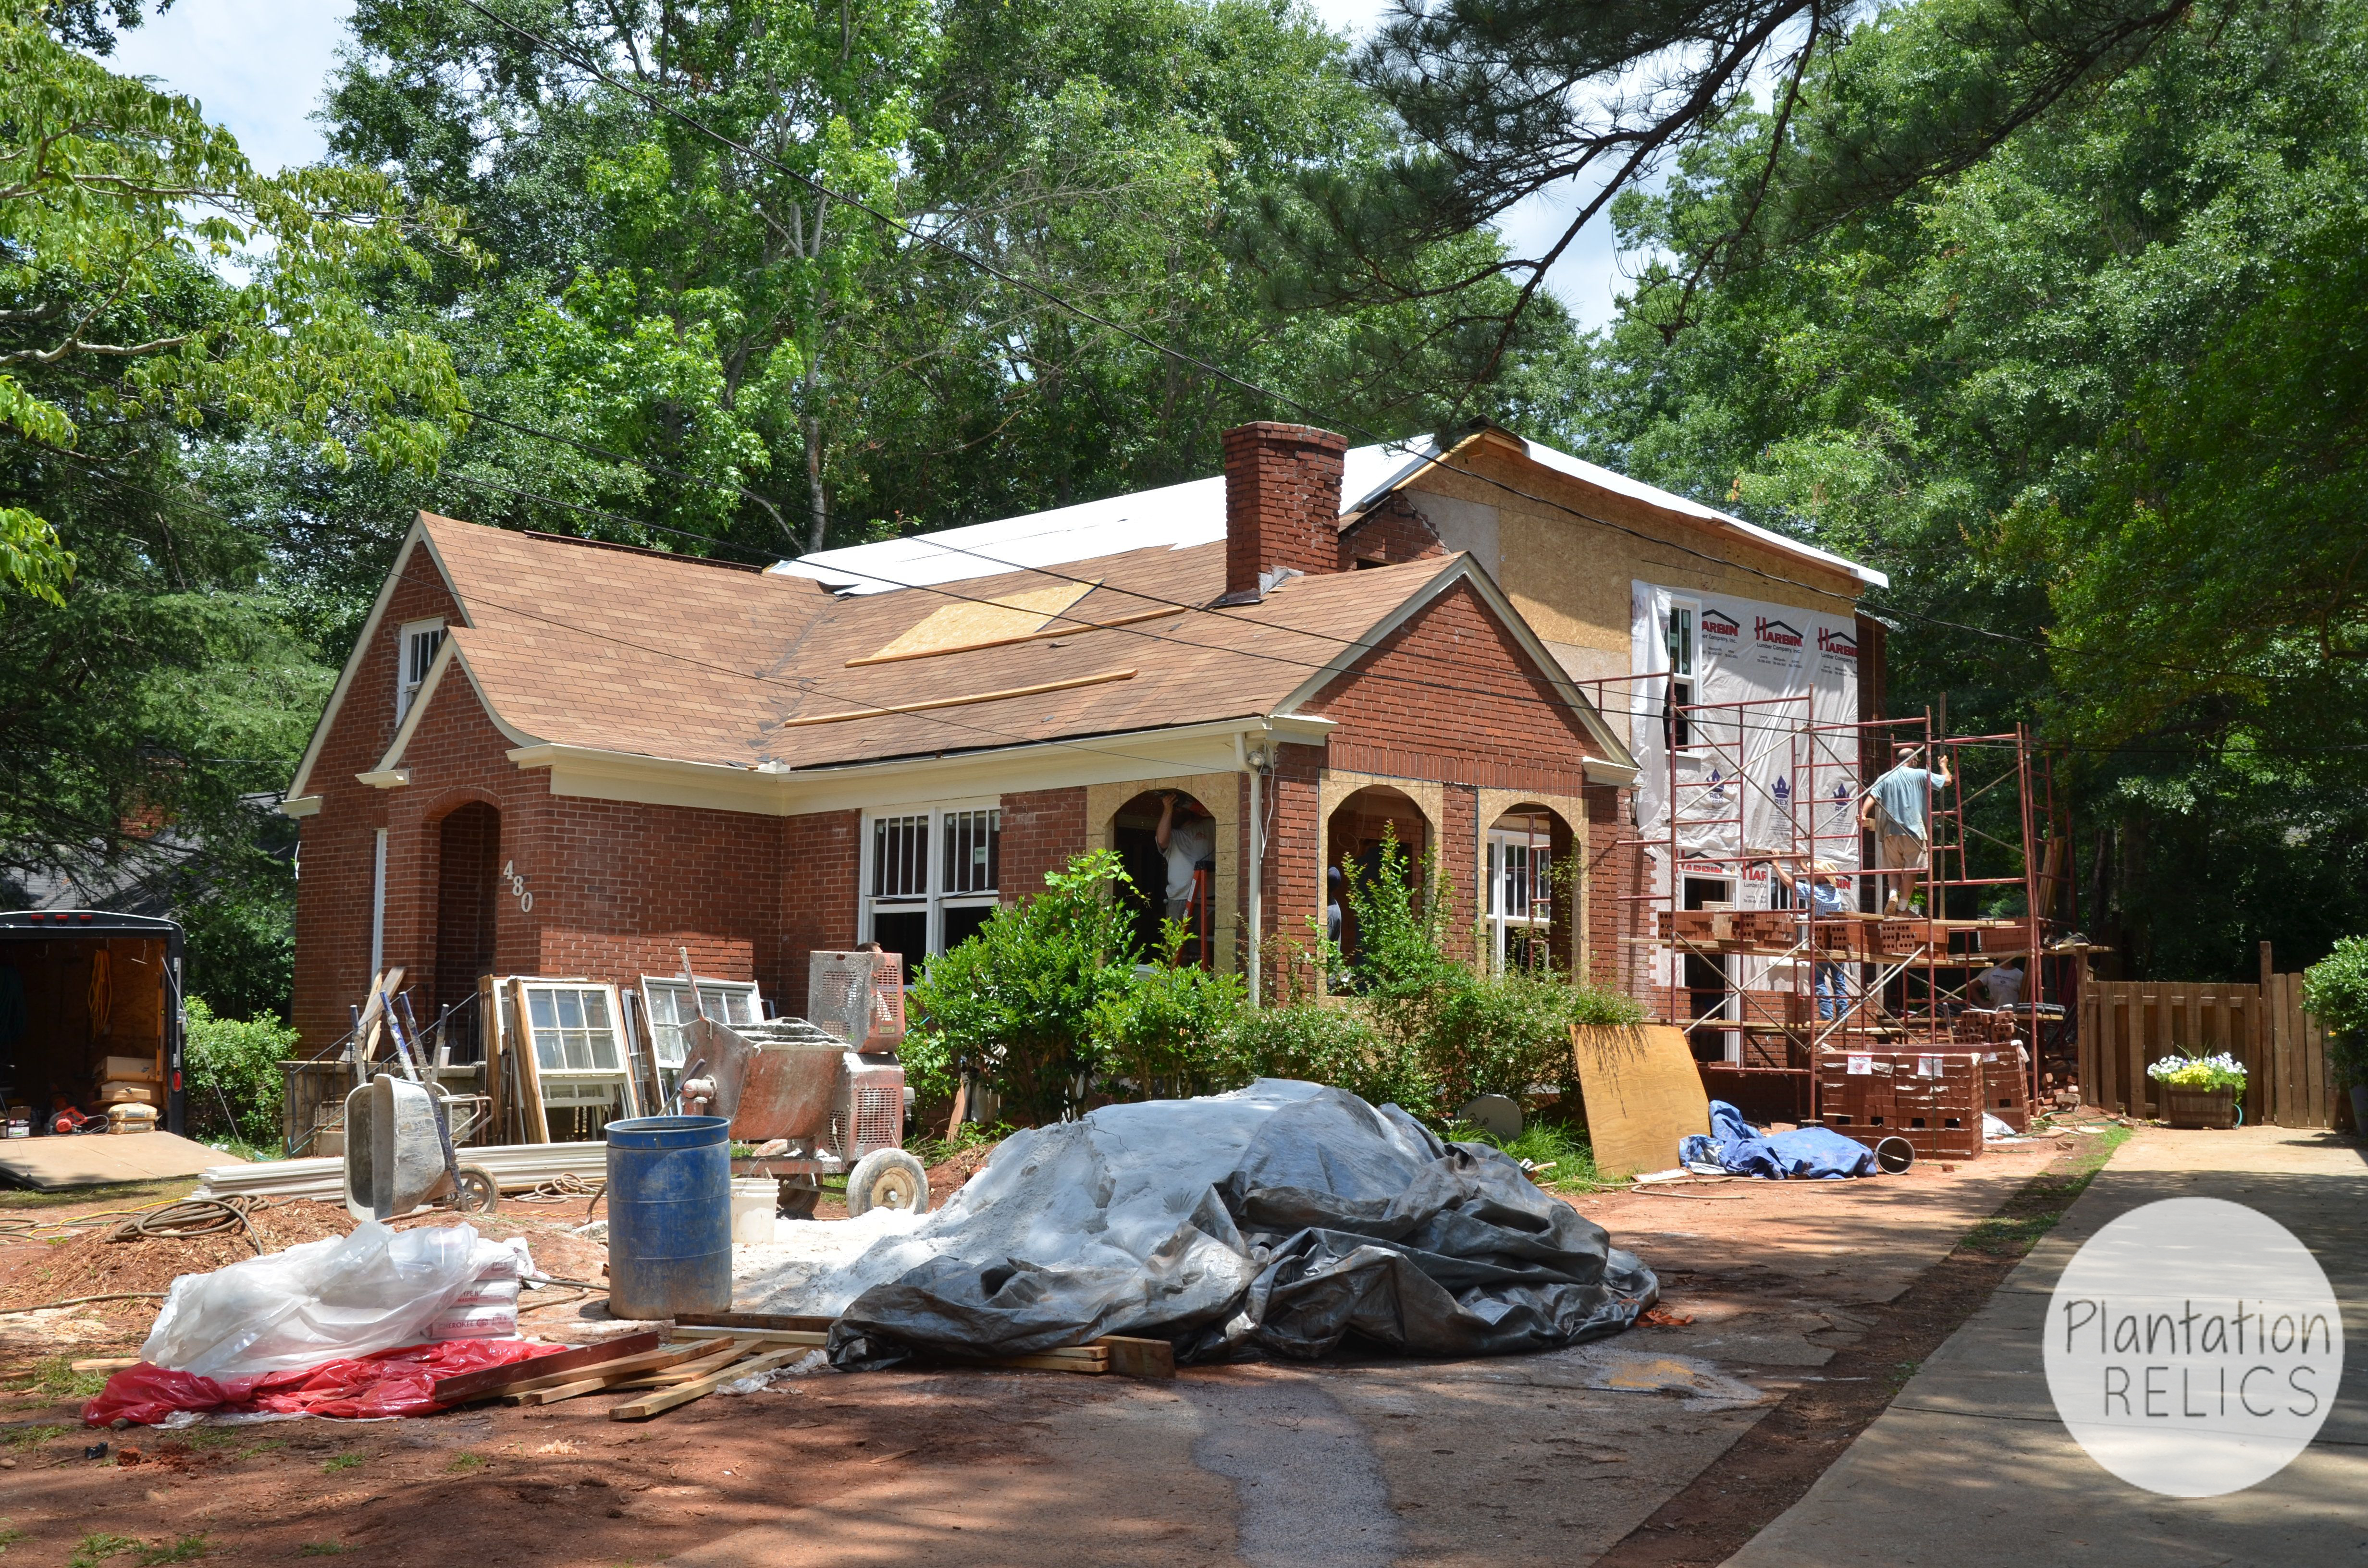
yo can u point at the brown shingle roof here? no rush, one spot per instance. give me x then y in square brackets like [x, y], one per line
[669, 657]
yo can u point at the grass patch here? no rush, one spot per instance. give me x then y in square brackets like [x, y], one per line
[323, 1549]
[188, 1549]
[343, 1461]
[9, 1536]
[96, 1548]
[34, 1436]
[1564, 1161]
[121, 1194]
[2031, 1213]
[56, 1378]
[462, 1464]
[932, 1150]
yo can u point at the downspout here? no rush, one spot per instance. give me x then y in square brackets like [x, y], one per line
[1257, 862]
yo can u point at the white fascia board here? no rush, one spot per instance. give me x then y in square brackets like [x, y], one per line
[1614, 767]
[417, 537]
[448, 655]
[1210, 747]
[300, 806]
[385, 778]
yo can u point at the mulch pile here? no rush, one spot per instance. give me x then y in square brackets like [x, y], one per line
[90, 1265]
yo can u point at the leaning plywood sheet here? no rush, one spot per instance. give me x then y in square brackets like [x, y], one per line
[1643, 1094]
[95, 1159]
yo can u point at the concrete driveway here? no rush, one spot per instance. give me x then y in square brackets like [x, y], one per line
[1970, 1466]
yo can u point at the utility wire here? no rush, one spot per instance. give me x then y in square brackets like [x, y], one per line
[1608, 712]
[937, 241]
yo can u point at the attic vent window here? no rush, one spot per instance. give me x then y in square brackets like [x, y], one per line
[414, 653]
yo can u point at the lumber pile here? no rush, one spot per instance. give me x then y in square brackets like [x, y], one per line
[694, 1359]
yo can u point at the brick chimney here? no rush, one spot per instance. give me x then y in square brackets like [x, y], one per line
[1282, 504]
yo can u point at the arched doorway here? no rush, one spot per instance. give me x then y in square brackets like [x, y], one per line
[1524, 908]
[1358, 834]
[1175, 880]
[469, 848]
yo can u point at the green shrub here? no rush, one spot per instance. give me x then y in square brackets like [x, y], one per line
[2335, 991]
[1164, 1034]
[1466, 1031]
[1336, 1045]
[233, 1082]
[1016, 1003]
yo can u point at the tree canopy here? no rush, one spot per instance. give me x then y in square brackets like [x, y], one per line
[2052, 308]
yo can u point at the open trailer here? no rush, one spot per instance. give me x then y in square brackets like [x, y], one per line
[84, 995]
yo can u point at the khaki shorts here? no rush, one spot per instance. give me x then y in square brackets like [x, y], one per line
[1899, 852]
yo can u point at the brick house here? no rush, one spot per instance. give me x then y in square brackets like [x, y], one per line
[552, 756]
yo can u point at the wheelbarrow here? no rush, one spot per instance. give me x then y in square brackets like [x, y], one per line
[399, 1154]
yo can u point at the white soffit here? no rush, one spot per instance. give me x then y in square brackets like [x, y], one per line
[1181, 516]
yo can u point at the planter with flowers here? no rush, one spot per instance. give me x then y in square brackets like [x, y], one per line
[2199, 1091]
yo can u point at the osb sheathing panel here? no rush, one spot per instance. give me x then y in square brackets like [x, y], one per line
[1570, 578]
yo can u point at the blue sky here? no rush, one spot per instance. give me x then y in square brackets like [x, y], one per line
[258, 67]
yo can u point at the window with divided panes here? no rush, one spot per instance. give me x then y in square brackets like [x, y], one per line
[932, 878]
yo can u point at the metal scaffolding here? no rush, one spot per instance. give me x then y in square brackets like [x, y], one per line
[1769, 980]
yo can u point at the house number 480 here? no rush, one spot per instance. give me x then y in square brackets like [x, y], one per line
[518, 888]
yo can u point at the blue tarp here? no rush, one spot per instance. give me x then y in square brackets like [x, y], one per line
[1736, 1145]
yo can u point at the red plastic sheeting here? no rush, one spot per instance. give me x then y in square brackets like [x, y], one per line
[391, 1383]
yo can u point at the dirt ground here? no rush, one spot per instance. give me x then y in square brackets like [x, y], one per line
[1793, 1313]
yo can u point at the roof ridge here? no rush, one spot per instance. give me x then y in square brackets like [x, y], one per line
[633, 550]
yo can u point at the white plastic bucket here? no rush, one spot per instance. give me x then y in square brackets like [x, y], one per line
[753, 1199]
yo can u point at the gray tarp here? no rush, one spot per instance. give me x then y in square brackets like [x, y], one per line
[1285, 1217]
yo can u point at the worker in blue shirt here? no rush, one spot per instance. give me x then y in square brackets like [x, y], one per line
[1822, 892]
[1893, 810]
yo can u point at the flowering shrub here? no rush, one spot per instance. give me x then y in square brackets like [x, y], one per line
[2221, 1072]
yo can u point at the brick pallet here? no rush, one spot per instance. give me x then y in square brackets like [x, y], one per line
[1931, 1098]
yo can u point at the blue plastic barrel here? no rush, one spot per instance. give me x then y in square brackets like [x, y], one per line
[669, 1216]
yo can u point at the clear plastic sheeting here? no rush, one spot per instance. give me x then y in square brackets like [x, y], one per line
[1285, 1217]
[340, 1297]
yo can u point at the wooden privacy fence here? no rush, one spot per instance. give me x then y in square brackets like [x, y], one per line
[2125, 1025]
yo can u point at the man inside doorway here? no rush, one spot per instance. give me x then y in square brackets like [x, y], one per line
[1185, 843]
[1894, 811]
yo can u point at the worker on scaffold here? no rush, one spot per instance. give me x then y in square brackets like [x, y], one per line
[1895, 809]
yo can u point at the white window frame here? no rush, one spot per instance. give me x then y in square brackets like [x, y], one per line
[726, 1001]
[423, 639]
[1684, 685]
[567, 1087]
[1506, 846]
[937, 899]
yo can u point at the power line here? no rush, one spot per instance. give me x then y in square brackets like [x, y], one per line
[937, 241]
[1610, 714]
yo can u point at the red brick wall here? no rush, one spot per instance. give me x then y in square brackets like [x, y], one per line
[1615, 868]
[1042, 830]
[1459, 856]
[1292, 896]
[1451, 696]
[821, 860]
[1392, 533]
[333, 889]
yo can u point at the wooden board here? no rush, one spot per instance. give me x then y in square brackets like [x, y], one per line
[755, 1320]
[1643, 1094]
[100, 1159]
[652, 1404]
[533, 1122]
[493, 1380]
